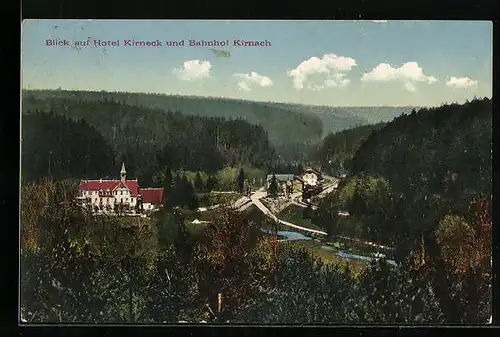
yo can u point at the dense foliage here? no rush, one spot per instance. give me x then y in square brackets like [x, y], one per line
[80, 268]
[60, 147]
[445, 150]
[422, 184]
[278, 121]
[337, 149]
[147, 140]
[295, 154]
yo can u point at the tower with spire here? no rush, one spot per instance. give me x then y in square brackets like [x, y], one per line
[123, 173]
[122, 196]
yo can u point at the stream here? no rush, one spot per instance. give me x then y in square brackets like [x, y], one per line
[294, 236]
[288, 235]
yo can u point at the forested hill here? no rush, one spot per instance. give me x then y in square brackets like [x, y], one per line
[339, 148]
[336, 119]
[147, 140]
[279, 122]
[59, 147]
[444, 151]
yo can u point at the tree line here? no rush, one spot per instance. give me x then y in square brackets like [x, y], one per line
[278, 121]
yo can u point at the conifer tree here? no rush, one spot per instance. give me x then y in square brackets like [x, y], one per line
[198, 183]
[273, 187]
[191, 201]
[167, 190]
[241, 180]
[212, 183]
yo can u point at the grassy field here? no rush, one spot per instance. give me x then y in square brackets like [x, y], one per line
[207, 216]
[329, 256]
[190, 214]
[266, 203]
[222, 198]
[253, 214]
[297, 186]
[227, 176]
[294, 214]
[358, 248]
[127, 221]
[195, 230]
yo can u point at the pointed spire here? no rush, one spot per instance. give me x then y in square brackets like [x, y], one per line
[123, 173]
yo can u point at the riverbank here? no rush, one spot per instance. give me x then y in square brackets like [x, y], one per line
[342, 252]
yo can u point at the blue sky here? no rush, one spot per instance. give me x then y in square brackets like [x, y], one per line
[337, 63]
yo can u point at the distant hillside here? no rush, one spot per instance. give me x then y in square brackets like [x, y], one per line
[340, 118]
[279, 122]
[374, 114]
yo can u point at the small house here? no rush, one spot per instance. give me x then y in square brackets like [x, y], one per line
[152, 198]
[312, 182]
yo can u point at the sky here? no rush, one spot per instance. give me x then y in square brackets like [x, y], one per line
[335, 63]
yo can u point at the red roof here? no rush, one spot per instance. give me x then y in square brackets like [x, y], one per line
[103, 185]
[152, 195]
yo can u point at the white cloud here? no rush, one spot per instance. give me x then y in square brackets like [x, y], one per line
[246, 81]
[410, 87]
[330, 65]
[193, 70]
[461, 82]
[244, 86]
[409, 74]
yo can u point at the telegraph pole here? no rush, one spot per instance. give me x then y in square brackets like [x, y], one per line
[276, 242]
[217, 138]
[275, 237]
[50, 157]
